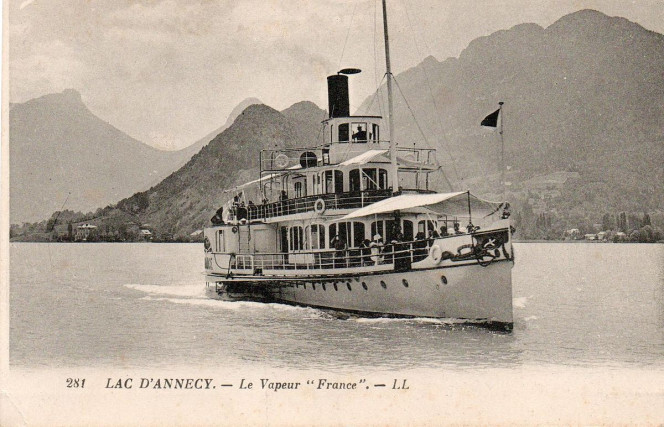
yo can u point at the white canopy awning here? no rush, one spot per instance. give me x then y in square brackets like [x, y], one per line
[363, 158]
[452, 204]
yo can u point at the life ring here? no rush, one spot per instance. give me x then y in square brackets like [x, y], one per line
[319, 206]
[281, 161]
[207, 245]
[234, 229]
[436, 253]
[410, 157]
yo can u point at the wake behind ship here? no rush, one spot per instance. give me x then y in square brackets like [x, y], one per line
[351, 224]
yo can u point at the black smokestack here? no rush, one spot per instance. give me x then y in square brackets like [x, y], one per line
[337, 96]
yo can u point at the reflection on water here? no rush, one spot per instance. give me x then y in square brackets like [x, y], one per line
[143, 305]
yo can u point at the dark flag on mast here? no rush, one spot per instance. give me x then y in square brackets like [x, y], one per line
[491, 120]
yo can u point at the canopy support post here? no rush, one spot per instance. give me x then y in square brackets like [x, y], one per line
[470, 217]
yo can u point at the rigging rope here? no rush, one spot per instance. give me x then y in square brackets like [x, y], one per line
[376, 83]
[433, 99]
[449, 184]
[347, 34]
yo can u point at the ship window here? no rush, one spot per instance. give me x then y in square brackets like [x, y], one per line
[317, 236]
[405, 282]
[343, 132]
[354, 180]
[383, 284]
[329, 188]
[343, 230]
[359, 132]
[300, 189]
[407, 230]
[220, 241]
[364, 285]
[377, 228]
[382, 179]
[358, 234]
[338, 182]
[324, 287]
[331, 133]
[335, 286]
[390, 230]
[296, 239]
[425, 227]
[369, 178]
[375, 134]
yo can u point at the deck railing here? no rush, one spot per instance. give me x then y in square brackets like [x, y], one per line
[348, 200]
[401, 255]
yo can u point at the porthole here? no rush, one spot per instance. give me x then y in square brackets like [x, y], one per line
[443, 279]
[335, 287]
[364, 285]
[383, 284]
[324, 287]
[405, 282]
[348, 285]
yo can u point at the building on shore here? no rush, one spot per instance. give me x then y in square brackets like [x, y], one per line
[85, 232]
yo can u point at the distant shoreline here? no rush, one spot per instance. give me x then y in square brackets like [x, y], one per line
[196, 243]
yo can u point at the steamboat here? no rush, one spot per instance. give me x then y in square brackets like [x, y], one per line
[351, 224]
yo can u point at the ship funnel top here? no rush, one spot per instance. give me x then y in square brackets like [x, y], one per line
[349, 71]
[337, 93]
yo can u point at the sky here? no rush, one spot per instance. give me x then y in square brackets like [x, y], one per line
[168, 72]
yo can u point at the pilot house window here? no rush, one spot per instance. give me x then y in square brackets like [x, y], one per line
[343, 132]
[359, 132]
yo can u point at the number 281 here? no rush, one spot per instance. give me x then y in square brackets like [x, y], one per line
[75, 382]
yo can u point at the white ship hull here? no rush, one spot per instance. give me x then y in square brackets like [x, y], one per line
[465, 291]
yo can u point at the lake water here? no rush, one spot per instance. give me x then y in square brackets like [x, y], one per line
[143, 305]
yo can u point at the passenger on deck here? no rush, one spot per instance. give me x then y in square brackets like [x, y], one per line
[433, 234]
[365, 249]
[241, 211]
[339, 251]
[420, 246]
[218, 218]
[376, 248]
[443, 231]
[456, 228]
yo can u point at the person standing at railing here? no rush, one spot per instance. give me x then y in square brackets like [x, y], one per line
[420, 246]
[339, 251]
[365, 252]
[376, 248]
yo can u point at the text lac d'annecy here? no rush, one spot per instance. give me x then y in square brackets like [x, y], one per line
[262, 384]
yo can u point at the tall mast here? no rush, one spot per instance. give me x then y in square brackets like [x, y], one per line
[502, 149]
[388, 69]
